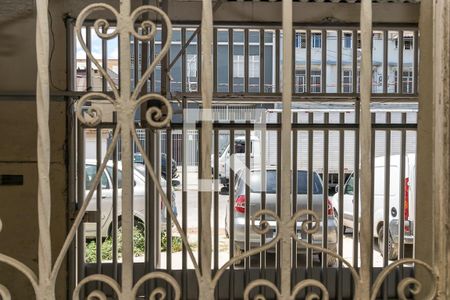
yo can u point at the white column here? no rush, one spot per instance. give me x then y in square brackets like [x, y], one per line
[125, 117]
[205, 285]
[441, 151]
[46, 288]
[286, 152]
[365, 137]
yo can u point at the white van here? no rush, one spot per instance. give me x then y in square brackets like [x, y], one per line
[396, 190]
[239, 158]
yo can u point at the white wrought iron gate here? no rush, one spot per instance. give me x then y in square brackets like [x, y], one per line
[291, 226]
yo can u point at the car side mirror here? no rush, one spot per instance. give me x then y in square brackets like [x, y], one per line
[336, 189]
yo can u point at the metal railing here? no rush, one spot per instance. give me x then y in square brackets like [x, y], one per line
[247, 60]
[324, 143]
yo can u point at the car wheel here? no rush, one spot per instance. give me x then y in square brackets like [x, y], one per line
[392, 250]
[238, 251]
[138, 225]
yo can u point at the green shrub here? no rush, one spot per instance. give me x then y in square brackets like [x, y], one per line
[138, 250]
[177, 242]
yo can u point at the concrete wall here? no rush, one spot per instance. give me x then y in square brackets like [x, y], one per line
[18, 204]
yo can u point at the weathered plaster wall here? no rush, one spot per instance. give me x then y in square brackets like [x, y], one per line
[257, 11]
[18, 204]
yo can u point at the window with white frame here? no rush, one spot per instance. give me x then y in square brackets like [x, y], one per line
[191, 72]
[316, 40]
[238, 66]
[408, 42]
[347, 81]
[407, 82]
[316, 79]
[393, 82]
[253, 66]
[347, 40]
[300, 81]
[300, 40]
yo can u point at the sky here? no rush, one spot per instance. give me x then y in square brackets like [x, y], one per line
[112, 46]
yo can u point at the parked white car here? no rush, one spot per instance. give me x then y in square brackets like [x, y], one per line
[107, 199]
[407, 188]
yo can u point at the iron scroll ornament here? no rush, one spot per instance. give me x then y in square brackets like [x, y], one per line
[126, 106]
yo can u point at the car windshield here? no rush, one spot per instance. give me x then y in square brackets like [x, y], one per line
[271, 180]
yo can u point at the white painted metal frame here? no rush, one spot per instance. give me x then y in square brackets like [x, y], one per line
[125, 102]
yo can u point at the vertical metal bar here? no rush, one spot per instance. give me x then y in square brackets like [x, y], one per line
[294, 195]
[45, 284]
[263, 187]
[184, 207]
[366, 145]
[157, 199]
[72, 143]
[278, 211]
[387, 181]
[114, 206]
[169, 196]
[246, 59]
[183, 61]
[147, 219]
[80, 195]
[152, 77]
[215, 58]
[247, 196]
[293, 61]
[165, 79]
[88, 61]
[216, 200]
[355, 62]
[339, 61]
[400, 61]
[403, 187]
[356, 189]
[286, 127]
[261, 60]
[206, 35]
[199, 62]
[127, 163]
[325, 193]
[308, 61]
[98, 219]
[231, 194]
[385, 61]
[144, 58]
[372, 191]
[341, 202]
[416, 62]
[136, 61]
[231, 212]
[324, 61]
[104, 62]
[277, 61]
[309, 206]
[294, 190]
[150, 210]
[230, 60]
[387, 196]
[199, 218]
